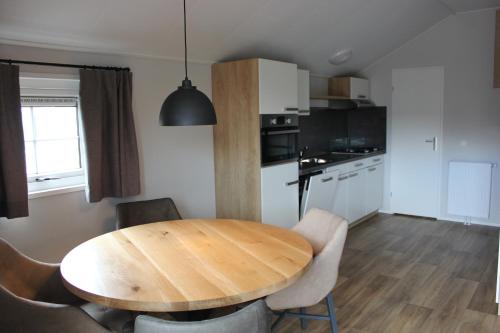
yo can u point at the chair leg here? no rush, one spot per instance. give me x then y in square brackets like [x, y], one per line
[277, 321]
[303, 321]
[331, 313]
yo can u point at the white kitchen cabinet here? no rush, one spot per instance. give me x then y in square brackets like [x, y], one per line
[359, 189]
[303, 93]
[349, 87]
[374, 184]
[360, 88]
[320, 191]
[340, 201]
[278, 86]
[356, 205]
[280, 194]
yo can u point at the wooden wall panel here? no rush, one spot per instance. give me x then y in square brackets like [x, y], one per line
[339, 86]
[496, 74]
[235, 95]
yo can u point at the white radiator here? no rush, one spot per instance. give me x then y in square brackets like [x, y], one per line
[469, 189]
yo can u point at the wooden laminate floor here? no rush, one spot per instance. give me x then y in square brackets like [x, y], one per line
[403, 274]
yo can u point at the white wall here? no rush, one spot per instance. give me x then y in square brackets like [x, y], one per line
[175, 162]
[463, 44]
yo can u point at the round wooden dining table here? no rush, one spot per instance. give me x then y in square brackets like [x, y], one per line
[185, 264]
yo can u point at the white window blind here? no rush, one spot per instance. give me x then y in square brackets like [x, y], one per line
[48, 101]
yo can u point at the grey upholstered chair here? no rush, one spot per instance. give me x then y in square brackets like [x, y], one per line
[251, 319]
[141, 212]
[327, 233]
[33, 299]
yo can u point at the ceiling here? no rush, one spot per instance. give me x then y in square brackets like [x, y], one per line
[300, 31]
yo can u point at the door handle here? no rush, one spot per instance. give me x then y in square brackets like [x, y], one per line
[434, 143]
[292, 183]
[327, 179]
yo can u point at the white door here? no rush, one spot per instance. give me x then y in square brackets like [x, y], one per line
[280, 194]
[320, 191]
[417, 112]
[278, 87]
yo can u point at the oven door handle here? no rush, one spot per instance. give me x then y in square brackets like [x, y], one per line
[282, 132]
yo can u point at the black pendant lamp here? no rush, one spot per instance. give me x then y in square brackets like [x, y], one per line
[187, 105]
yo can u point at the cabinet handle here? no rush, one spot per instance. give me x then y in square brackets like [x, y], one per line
[343, 178]
[327, 179]
[372, 169]
[293, 131]
[434, 143]
[292, 183]
[361, 96]
[358, 165]
[376, 160]
[352, 175]
[292, 109]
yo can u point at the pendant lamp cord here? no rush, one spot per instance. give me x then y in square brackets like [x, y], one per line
[185, 42]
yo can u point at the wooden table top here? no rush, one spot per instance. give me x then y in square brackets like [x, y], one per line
[185, 265]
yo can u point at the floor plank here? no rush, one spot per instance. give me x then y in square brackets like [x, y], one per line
[407, 274]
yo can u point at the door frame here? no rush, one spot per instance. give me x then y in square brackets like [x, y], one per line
[440, 133]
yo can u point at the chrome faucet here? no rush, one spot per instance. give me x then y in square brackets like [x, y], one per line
[302, 151]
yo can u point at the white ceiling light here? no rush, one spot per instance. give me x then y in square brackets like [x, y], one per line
[340, 57]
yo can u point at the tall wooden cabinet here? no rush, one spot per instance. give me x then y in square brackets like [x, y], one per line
[241, 91]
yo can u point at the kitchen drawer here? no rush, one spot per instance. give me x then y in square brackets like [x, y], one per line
[379, 159]
[357, 165]
[341, 168]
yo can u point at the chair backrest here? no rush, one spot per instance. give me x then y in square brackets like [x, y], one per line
[30, 279]
[252, 319]
[319, 228]
[327, 234]
[148, 211]
[24, 315]
[20, 274]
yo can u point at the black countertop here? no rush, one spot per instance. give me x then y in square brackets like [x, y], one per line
[326, 160]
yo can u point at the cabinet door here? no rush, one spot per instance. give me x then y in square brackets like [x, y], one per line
[303, 90]
[374, 185]
[360, 88]
[280, 194]
[277, 87]
[356, 206]
[320, 191]
[340, 201]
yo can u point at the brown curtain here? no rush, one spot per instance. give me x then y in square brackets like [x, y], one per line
[109, 132]
[13, 181]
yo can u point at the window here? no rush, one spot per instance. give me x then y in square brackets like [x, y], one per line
[51, 135]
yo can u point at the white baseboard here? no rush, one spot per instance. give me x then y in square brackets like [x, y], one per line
[451, 219]
[462, 220]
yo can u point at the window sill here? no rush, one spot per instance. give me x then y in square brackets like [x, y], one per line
[56, 191]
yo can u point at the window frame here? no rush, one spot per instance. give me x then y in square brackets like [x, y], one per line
[55, 85]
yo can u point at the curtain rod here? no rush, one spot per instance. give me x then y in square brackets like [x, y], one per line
[53, 64]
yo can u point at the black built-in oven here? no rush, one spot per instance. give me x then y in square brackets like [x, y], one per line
[279, 136]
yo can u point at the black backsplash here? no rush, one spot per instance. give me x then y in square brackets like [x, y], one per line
[327, 130]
